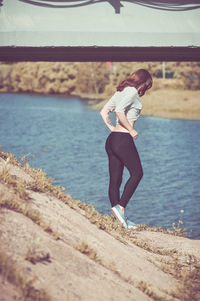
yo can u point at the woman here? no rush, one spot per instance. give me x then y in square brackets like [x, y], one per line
[120, 146]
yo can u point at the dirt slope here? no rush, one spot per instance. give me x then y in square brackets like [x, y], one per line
[52, 249]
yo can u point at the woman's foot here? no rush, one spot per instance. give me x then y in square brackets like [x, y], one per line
[122, 208]
[119, 215]
[130, 224]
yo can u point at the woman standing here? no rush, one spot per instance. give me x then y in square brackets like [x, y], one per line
[120, 146]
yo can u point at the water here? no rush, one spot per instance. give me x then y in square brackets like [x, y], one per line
[68, 141]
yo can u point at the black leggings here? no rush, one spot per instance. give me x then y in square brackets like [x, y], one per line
[122, 151]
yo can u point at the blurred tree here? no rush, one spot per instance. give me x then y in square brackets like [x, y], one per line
[191, 76]
[92, 77]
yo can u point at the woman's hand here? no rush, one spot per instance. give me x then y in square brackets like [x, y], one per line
[133, 133]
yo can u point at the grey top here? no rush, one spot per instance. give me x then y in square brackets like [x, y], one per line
[127, 101]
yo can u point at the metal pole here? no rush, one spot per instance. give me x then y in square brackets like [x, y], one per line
[163, 70]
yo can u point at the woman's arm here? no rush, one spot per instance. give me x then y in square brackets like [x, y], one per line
[125, 123]
[106, 118]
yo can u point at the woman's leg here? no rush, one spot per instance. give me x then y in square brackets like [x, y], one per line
[115, 171]
[125, 150]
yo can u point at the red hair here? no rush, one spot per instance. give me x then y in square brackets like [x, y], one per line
[140, 79]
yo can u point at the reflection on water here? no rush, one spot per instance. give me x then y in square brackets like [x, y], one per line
[66, 139]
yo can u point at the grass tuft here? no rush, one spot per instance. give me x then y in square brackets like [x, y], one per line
[8, 269]
[12, 181]
[84, 248]
[35, 255]
[145, 288]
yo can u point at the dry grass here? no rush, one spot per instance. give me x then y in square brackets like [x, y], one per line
[42, 183]
[84, 248]
[188, 275]
[189, 285]
[34, 256]
[12, 158]
[146, 288]
[16, 183]
[9, 270]
[186, 269]
[35, 253]
[13, 202]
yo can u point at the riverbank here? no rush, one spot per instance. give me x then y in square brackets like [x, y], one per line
[167, 103]
[177, 97]
[55, 248]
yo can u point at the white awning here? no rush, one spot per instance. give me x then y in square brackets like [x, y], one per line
[34, 23]
[106, 25]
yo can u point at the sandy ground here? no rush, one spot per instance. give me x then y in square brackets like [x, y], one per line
[71, 275]
[7, 290]
[172, 104]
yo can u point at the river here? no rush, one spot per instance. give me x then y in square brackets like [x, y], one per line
[66, 139]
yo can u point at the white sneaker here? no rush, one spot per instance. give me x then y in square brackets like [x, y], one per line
[119, 215]
[130, 225]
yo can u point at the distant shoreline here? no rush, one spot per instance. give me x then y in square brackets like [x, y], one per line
[82, 96]
[164, 103]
